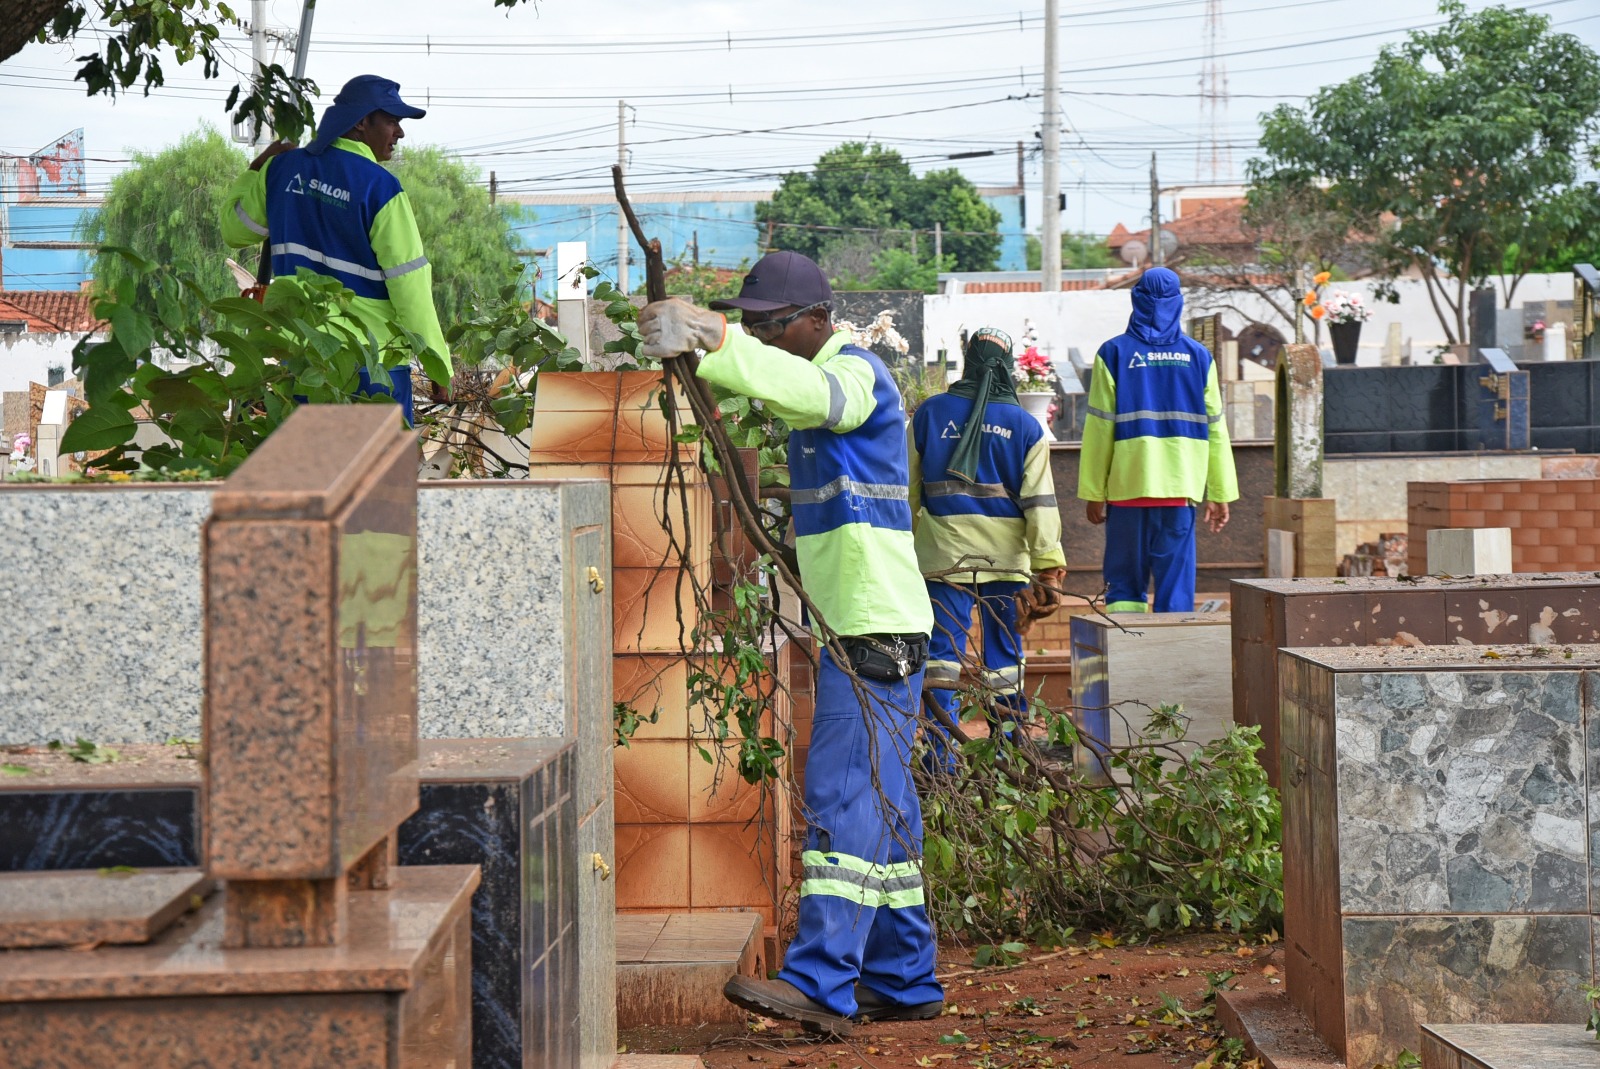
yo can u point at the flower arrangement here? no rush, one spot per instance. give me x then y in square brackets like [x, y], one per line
[1034, 374]
[1536, 330]
[20, 460]
[1338, 306]
[1346, 308]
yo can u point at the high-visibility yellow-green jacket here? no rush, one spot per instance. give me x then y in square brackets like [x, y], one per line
[343, 215]
[1008, 518]
[847, 477]
[1155, 428]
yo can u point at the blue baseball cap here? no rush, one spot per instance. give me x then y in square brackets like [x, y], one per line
[778, 280]
[360, 97]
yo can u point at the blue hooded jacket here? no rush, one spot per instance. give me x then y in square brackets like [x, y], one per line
[1157, 307]
[1155, 429]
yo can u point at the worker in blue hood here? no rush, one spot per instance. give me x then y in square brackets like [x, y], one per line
[1155, 446]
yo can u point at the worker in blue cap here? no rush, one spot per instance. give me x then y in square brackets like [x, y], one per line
[863, 948]
[331, 207]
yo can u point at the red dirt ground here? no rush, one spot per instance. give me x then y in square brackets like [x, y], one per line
[1090, 1007]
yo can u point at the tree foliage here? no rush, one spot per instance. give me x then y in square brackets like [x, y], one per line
[217, 392]
[1297, 231]
[1079, 252]
[861, 200]
[165, 207]
[1458, 143]
[468, 240]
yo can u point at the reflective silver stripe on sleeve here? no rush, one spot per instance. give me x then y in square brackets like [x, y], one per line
[294, 248]
[1214, 419]
[1185, 417]
[955, 488]
[835, 402]
[406, 268]
[1109, 417]
[244, 217]
[1042, 501]
[829, 491]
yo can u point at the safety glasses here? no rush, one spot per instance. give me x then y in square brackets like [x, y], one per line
[767, 329]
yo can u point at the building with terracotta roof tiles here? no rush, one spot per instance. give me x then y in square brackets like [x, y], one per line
[47, 312]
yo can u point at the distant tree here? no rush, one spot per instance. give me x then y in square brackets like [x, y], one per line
[468, 240]
[1079, 252]
[165, 207]
[1459, 143]
[1297, 232]
[860, 200]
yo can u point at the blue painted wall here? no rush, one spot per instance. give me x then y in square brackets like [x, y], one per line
[727, 229]
[728, 232]
[43, 269]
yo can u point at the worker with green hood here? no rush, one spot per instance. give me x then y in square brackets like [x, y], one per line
[984, 511]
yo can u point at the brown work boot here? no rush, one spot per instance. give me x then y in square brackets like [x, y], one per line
[779, 998]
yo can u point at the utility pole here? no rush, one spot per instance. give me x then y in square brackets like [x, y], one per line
[622, 222]
[258, 56]
[494, 187]
[1050, 189]
[1022, 192]
[1157, 255]
[302, 40]
[697, 250]
[938, 244]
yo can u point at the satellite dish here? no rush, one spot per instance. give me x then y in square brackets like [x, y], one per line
[1169, 244]
[1134, 252]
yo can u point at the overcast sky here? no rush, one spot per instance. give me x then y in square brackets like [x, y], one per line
[532, 93]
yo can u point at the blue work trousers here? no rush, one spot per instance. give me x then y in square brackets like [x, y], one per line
[862, 912]
[1145, 543]
[1001, 652]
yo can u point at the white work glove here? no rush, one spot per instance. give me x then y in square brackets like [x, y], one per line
[673, 327]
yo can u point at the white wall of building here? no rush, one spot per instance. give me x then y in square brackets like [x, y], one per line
[1084, 319]
[26, 358]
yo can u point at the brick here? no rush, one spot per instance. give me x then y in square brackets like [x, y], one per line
[1522, 501]
[1562, 502]
[1508, 518]
[1536, 554]
[1541, 518]
[1532, 536]
[1579, 518]
[1491, 501]
[1589, 536]
[1469, 518]
[1560, 536]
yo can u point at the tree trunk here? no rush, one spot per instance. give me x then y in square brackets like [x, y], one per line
[21, 21]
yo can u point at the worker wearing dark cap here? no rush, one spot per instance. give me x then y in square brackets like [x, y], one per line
[331, 207]
[864, 948]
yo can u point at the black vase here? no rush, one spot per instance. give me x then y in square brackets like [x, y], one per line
[1345, 336]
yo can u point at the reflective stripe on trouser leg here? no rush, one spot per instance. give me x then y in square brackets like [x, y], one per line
[1002, 644]
[861, 910]
[952, 612]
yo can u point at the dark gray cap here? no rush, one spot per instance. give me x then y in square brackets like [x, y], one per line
[778, 280]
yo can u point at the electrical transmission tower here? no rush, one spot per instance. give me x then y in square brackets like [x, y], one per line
[1213, 154]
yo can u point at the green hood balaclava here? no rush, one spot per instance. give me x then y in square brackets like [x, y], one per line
[985, 378]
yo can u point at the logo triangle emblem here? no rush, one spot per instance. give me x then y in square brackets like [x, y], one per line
[951, 430]
[1137, 361]
[296, 185]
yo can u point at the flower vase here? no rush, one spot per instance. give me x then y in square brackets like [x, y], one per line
[1345, 337]
[1038, 406]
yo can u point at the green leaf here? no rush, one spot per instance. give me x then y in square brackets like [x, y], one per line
[103, 426]
[11, 769]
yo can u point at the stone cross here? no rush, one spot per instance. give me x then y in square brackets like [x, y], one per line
[1298, 430]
